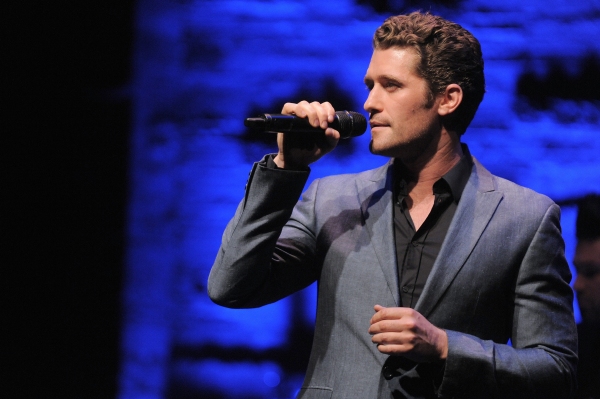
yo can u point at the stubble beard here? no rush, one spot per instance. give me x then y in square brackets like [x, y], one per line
[412, 150]
[420, 148]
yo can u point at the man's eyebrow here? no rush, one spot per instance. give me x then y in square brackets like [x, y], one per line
[388, 78]
[587, 265]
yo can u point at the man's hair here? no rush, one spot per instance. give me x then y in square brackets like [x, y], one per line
[588, 218]
[449, 54]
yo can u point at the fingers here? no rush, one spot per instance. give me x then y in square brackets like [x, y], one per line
[404, 331]
[391, 336]
[427, 345]
[389, 324]
[318, 114]
[392, 344]
[298, 151]
[395, 313]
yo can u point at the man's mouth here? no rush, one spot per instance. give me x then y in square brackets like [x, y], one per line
[375, 124]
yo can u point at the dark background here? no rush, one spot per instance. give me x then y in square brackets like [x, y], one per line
[68, 112]
[66, 131]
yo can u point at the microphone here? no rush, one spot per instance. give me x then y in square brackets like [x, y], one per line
[348, 123]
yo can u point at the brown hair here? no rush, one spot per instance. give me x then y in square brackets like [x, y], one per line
[449, 54]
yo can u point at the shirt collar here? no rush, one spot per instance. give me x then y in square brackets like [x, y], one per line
[459, 175]
[454, 181]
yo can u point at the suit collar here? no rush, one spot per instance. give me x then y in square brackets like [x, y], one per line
[475, 209]
[375, 197]
[478, 203]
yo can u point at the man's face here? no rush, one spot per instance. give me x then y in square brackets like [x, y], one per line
[403, 121]
[587, 282]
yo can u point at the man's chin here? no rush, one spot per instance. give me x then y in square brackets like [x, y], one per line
[371, 149]
[376, 151]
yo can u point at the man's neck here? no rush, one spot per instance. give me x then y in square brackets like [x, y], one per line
[424, 171]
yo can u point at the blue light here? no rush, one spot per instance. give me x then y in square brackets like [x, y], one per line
[200, 68]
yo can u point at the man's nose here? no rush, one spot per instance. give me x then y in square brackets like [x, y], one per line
[579, 284]
[372, 103]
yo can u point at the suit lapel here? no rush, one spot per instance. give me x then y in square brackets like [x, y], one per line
[475, 209]
[375, 196]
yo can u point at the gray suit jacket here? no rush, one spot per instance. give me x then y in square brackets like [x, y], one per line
[501, 275]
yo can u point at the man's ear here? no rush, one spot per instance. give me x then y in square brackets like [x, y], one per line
[451, 99]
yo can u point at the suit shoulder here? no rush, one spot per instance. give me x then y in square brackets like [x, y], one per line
[523, 196]
[514, 195]
[513, 188]
[345, 178]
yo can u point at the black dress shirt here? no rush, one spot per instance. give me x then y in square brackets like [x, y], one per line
[417, 251]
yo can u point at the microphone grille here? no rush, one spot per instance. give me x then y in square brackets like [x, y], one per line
[351, 124]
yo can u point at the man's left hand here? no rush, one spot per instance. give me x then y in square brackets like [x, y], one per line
[405, 332]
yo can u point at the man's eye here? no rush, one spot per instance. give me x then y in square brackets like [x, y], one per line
[589, 273]
[587, 270]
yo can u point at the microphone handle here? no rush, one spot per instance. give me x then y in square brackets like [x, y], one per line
[348, 123]
[284, 124]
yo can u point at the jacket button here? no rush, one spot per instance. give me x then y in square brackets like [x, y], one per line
[387, 372]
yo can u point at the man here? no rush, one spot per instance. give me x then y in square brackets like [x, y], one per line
[587, 287]
[427, 266]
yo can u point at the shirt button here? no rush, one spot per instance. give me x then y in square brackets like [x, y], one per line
[405, 289]
[415, 244]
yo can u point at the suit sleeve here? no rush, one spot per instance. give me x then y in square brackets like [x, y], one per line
[254, 266]
[541, 360]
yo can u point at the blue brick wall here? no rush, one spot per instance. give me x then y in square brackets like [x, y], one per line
[201, 67]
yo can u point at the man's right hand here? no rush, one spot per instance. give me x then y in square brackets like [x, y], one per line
[298, 151]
